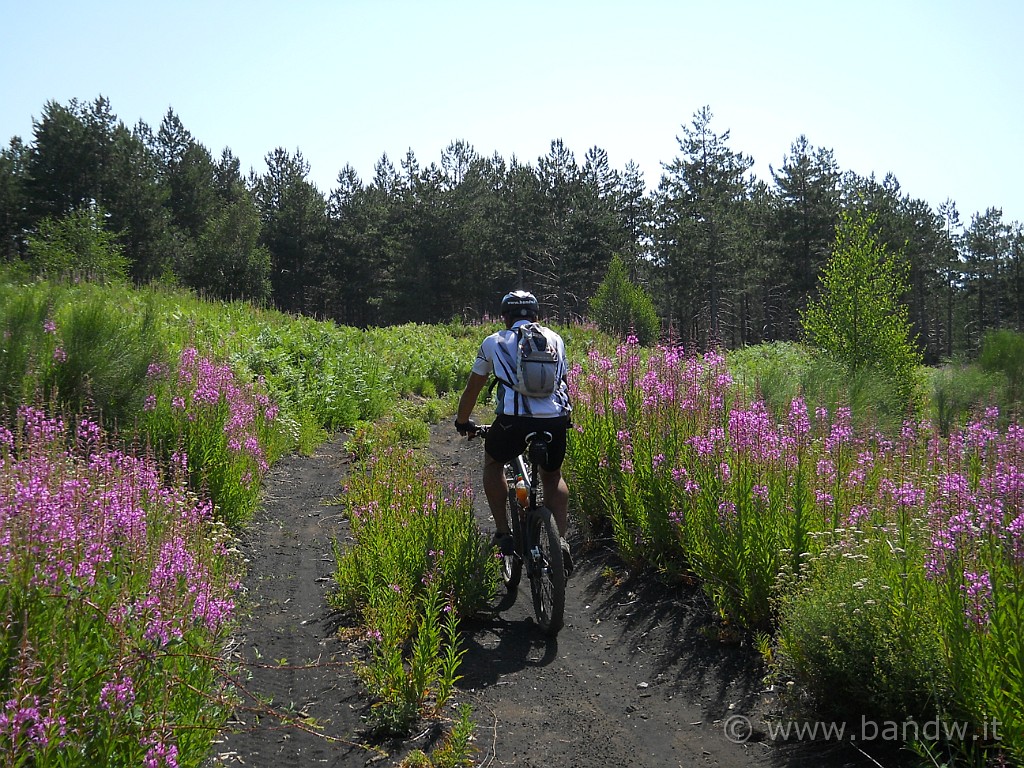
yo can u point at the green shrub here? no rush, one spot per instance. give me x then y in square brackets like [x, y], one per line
[79, 246]
[619, 307]
[1002, 351]
[82, 349]
[958, 392]
[103, 357]
[859, 632]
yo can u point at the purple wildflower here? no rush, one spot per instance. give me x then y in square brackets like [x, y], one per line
[977, 592]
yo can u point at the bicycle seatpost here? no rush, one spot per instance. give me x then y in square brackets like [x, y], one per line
[538, 448]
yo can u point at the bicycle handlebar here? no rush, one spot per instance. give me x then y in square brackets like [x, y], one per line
[483, 429]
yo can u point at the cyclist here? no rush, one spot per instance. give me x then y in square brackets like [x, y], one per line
[518, 415]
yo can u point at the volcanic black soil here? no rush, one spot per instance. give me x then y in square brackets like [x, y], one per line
[639, 676]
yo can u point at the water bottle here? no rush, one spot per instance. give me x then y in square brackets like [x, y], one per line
[522, 492]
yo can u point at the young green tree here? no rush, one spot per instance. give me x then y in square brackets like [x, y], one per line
[620, 307]
[858, 316]
[78, 245]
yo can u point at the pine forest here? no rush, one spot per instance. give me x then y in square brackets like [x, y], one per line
[728, 259]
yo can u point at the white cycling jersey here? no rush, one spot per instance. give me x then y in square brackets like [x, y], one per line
[497, 355]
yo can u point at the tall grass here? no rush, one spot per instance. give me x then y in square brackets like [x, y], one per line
[778, 373]
[415, 565]
[959, 392]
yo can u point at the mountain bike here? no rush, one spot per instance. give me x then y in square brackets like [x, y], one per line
[537, 544]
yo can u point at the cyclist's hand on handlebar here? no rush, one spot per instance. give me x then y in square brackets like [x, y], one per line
[467, 428]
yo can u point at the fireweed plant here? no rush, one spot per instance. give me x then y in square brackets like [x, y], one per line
[115, 590]
[975, 561]
[915, 608]
[416, 563]
[226, 429]
[905, 550]
[693, 480]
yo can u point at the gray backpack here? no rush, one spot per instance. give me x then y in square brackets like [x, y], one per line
[537, 367]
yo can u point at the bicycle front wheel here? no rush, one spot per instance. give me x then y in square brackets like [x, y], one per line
[511, 565]
[547, 571]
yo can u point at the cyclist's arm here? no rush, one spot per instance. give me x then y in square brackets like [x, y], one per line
[469, 396]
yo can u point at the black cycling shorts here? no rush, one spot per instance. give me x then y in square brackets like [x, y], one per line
[507, 438]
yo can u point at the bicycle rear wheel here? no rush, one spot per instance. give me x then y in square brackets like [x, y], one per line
[547, 571]
[511, 565]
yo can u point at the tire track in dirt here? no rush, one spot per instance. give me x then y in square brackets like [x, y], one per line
[288, 643]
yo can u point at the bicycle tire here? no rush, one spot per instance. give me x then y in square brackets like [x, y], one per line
[547, 578]
[512, 565]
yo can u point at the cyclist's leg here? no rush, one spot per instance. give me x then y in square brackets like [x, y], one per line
[496, 491]
[556, 498]
[556, 492]
[501, 445]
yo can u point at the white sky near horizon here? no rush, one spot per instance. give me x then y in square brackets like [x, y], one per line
[930, 91]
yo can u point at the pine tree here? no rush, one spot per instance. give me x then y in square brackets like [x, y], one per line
[697, 230]
[807, 188]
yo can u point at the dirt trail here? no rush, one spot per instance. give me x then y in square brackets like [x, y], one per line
[288, 645]
[635, 678]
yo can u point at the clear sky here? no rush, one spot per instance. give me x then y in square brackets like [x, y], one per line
[930, 90]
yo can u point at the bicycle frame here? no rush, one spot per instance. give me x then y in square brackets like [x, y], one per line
[536, 537]
[537, 542]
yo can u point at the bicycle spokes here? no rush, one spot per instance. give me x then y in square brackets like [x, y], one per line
[547, 573]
